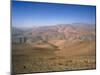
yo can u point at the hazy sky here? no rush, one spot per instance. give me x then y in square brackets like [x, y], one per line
[28, 14]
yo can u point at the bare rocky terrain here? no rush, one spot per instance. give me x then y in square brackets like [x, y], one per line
[62, 47]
